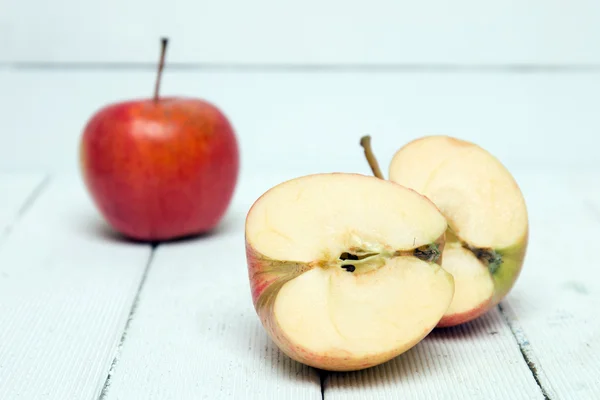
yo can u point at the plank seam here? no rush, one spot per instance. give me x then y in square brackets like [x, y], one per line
[26, 206]
[523, 342]
[132, 311]
[323, 375]
[307, 67]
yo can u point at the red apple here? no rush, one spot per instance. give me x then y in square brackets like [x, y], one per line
[160, 168]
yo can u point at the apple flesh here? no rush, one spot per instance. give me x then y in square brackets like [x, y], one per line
[160, 169]
[486, 213]
[344, 269]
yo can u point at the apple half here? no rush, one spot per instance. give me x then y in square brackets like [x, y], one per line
[486, 213]
[344, 269]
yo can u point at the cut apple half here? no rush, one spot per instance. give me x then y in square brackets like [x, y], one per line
[486, 214]
[344, 269]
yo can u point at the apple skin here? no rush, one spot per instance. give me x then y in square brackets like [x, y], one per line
[461, 318]
[160, 170]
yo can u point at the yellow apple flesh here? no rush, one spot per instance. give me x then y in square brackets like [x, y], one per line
[487, 219]
[344, 269]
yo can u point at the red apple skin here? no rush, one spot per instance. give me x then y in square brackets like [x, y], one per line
[160, 170]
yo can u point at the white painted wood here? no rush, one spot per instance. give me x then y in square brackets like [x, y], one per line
[17, 191]
[554, 308]
[195, 333]
[289, 120]
[66, 290]
[307, 32]
[476, 361]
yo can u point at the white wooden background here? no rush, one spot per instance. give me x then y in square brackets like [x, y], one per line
[86, 316]
[303, 32]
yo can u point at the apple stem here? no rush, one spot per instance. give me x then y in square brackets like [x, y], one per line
[365, 142]
[161, 65]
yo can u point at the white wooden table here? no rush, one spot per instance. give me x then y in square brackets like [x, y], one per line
[84, 315]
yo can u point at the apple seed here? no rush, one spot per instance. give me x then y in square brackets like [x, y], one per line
[429, 252]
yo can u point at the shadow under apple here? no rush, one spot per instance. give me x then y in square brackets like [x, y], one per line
[97, 227]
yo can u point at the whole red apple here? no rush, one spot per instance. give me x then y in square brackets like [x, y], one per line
[160, 168]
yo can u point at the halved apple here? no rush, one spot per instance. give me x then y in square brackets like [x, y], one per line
[344, 269]
[487, 218]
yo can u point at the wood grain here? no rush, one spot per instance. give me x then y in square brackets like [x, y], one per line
[479, 360]
[195, 333]
[66, 289]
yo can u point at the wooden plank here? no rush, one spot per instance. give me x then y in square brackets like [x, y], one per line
[66, 289]
[195, 333]
[554, 309]
[286, 119]
[17, 193]
[479, 360]
[307, 32]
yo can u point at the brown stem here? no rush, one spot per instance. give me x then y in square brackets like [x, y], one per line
[365, 142]
[161, 65]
